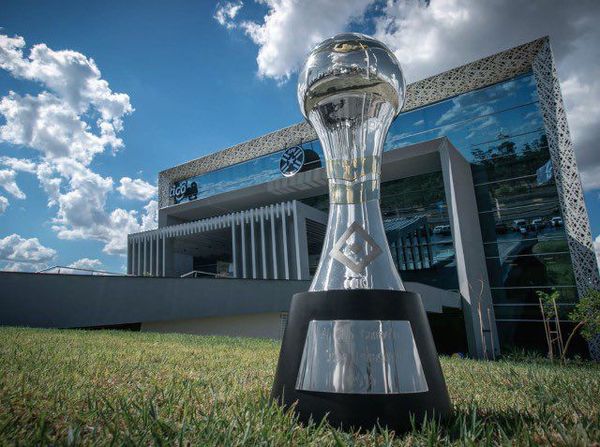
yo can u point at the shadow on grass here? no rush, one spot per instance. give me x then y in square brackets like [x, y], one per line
[470, 426]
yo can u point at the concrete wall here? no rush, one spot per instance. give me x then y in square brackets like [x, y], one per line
[45, 300]
[263, 325]
[166, 304]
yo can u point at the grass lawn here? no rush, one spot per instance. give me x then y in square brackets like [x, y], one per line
[106, 387]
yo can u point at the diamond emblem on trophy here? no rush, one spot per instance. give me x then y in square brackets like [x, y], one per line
[352, 253]
[358, 348]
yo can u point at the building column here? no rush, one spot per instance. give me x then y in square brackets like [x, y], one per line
[129, 260]
[286, 263]
[263, 250]
[139, 257]
[234, 252]
[157, 265]
[243, 230]
[274, 243]
[429, 247]
[151, 255]
[252, 244]
[301, 243]
[145, 256]
[470, 259]
[164, 270]
[404, 254]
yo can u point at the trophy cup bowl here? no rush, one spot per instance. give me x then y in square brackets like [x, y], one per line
[358, 348]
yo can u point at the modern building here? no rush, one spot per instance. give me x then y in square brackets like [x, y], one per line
[480, 195]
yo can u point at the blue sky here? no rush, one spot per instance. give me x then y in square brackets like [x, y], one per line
[198, 85]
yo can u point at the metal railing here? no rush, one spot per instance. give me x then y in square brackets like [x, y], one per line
[65, 270]
[202, 274]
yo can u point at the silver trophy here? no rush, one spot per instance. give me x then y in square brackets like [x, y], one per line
[358, 348]
[350, 90]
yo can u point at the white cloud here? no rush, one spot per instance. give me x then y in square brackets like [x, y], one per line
[86, 263]
[291, 28]
[82, 212]
[137, 189]
[72, 76]
[123, 222]
[3, 204]
[226, 13]
[597, 248]
[59, 122]
[19, 164]
[24, 254]
[75, 117]
[23, 267]
[8, 182]
[150, 216]
[47, 123]
[591, 177]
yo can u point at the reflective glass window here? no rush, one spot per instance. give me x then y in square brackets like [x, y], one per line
[514, 193]
[528, 295]
[512, 157]
[242, 175]
[536, 220]
[531, 270]
[539, 244]
[471, 118]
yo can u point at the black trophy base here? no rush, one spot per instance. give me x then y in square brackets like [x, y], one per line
[370, 406]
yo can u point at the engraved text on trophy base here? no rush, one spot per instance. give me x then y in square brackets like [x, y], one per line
[361, 357]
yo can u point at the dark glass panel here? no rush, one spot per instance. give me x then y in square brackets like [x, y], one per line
[523, 142]
[414, 192]
[514, 193]
[531, 270]
[464, 135]
[537, 245]
[529, 295]
[529, 311]
[537, 221]
[503, 160]
[448, 330]
[443, 277]
[319, 202]
[530, 336]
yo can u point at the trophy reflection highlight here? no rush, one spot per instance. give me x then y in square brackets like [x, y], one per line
[358, 348]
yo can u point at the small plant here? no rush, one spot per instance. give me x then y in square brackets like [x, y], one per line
[587, 315]
[548, 301]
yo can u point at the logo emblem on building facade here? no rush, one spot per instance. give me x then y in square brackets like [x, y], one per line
[181, 190]
[292, 161]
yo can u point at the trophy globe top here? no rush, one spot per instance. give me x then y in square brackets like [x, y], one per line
[350, 63]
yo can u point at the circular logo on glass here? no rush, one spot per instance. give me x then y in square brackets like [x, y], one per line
[291, 161]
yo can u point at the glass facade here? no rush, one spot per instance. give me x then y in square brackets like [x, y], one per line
[499, 130]
[242, 175]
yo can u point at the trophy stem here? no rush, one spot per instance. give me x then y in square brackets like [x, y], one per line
[355, 253]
